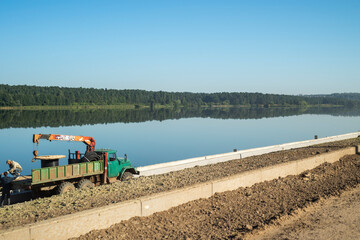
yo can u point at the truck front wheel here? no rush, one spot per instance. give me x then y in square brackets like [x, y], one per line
[126, 176]
[65, 187]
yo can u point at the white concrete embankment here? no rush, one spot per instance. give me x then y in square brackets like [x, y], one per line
[201, 161]
[76, 224]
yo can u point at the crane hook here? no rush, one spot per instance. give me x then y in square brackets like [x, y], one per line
[35, 153]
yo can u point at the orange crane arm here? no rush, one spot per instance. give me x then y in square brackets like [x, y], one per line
[89, 141]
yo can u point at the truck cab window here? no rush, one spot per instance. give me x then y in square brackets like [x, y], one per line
[112, 156]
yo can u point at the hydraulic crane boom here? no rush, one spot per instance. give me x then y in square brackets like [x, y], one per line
[89, 141]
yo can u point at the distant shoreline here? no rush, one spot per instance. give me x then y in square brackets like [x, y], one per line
[74, 107]
[135, 106]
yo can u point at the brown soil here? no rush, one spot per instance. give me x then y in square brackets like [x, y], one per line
[235, 214]
[45, 208]
[337, 217]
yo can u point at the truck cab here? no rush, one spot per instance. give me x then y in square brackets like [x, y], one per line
[117, 167]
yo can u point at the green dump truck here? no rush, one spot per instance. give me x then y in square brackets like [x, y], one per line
[108, 168]
[94, 167]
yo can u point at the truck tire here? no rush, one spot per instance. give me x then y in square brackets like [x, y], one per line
[35, 193]
[85, 183]
[126, 176]
[65, 187]
[89, 157]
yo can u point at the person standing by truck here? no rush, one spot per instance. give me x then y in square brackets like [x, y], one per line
[15, 168]
[6, 187]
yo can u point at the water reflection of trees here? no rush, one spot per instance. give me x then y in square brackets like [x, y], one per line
[56, 118]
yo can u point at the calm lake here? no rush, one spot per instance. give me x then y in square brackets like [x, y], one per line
[150, 137]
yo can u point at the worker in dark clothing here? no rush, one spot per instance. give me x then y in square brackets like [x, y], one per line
[6, 187]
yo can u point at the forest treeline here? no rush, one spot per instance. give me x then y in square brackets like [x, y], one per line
[350, 96]
[58, 118]
[23, 95]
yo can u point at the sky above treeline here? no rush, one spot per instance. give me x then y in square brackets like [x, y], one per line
[269, 46]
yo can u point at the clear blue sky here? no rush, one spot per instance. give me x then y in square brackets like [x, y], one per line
[290, 47]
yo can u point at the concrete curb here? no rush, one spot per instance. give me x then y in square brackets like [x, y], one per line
[76, 224]
[201, 161]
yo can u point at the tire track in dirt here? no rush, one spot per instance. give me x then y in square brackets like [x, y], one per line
[337, 217]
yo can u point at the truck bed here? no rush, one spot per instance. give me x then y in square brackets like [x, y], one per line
[57, 173]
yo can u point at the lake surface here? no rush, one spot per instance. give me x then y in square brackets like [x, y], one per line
[150, 137]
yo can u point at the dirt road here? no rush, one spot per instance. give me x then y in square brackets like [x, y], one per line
[335, 218]
[45, 208]
[236, 214]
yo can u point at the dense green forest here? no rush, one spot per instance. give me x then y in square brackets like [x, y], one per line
[57, 118]
[23, 95]
[350, 96]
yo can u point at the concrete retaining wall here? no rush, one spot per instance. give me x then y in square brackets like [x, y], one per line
[200, 161]
[249, 178]
[80, 223]
[76, 224]
[166, 200]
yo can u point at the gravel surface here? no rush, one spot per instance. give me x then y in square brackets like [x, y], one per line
[49, 207]
[235, 214]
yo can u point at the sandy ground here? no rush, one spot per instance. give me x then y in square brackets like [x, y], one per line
[50, 207]
[334, 218]
[243, 212]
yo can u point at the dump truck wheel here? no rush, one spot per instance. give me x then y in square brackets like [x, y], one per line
[126, 176]
[35, 192]
[85, 183]
[65, 187]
